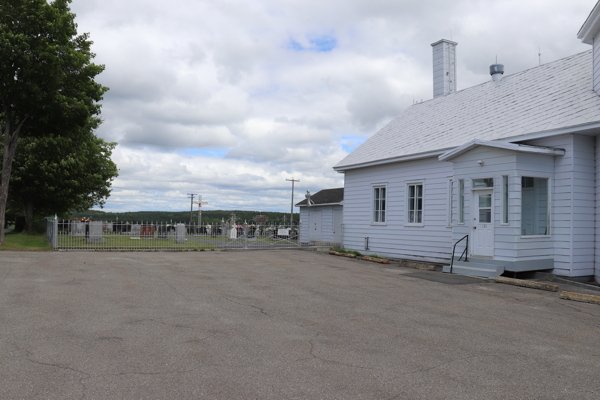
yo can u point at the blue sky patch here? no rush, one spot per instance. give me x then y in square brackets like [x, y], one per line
[350, 143]
[216, 153]
[293, 45]
[322, 43]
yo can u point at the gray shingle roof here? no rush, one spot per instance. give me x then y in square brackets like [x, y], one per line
[552, 96]
[325, 196]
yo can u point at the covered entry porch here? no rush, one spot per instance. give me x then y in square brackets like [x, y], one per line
[501, 207]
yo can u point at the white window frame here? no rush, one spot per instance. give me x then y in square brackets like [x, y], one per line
[449, 210]
[549, 215]
[406, 202]
[372, 208]
[461, 202]
[505, 195]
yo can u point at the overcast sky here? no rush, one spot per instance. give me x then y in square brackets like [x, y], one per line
[229, 98]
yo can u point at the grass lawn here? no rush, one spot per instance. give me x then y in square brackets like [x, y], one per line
[25, 242]
[125, 242]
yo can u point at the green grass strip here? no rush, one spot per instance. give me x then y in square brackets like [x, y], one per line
[25, 242]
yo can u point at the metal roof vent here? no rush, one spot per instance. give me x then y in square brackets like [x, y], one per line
[496, 71]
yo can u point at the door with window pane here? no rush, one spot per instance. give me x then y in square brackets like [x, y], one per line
[483, 223]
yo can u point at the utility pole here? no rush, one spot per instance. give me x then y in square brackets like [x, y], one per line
[191, 196]
[292, 207]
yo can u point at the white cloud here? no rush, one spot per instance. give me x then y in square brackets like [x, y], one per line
[250, 84]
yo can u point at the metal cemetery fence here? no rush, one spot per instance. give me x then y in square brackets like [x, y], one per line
[102, 235]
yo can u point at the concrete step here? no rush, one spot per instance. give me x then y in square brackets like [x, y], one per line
[484, 261]
[475, 269]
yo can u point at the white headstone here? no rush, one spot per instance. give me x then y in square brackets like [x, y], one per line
[96, 234]
[180, 233]
[77, 228]
[135, 229]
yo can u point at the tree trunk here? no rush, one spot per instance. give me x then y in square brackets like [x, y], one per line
[10, 148]
[28, 208]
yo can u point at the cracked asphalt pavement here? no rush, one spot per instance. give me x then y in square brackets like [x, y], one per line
[281, 325]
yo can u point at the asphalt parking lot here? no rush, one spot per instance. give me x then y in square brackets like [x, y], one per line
[281, 325]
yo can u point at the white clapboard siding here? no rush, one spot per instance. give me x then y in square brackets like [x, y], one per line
[584, 191]
[304, 224]
[562, 203]
[430, 242]
[597, 201]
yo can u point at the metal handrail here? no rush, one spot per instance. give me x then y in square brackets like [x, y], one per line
[464, 253]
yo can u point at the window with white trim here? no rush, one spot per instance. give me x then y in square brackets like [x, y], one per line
[461, 201]
[450, 187]
[414, 203]
[505, 199]
[535, 206]
[379, 206]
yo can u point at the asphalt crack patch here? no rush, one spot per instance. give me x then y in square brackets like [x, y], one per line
[251, 306]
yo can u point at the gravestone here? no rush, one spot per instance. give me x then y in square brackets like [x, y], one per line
[147, 231]
[108, 227]
[135, 229]
[180, 233]
[77, 228]
[233, 227]
[96, 234]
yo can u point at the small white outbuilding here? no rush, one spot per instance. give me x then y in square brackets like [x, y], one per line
[321, 216]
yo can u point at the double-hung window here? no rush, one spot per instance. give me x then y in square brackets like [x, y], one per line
[414, 203]
[379, 206]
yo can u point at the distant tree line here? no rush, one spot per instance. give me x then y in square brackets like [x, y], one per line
[212, 217]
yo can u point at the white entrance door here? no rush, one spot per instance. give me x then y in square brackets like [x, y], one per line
[483, 223]
[314, 225]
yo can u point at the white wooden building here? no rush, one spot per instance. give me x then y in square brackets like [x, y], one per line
[321, 219]
[514, 163]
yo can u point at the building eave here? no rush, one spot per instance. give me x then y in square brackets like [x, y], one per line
[391, 160]
[448, 156]
[591, 26]
[320, 205]
[591, 128]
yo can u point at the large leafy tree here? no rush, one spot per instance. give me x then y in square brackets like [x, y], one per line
[46, 77]
[59, 173]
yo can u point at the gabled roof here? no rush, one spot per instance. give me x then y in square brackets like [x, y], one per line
[591, 26]
[324, 197]
[546, 98]
[523, 148]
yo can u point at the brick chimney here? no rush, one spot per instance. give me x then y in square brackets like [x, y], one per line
[444, 67]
